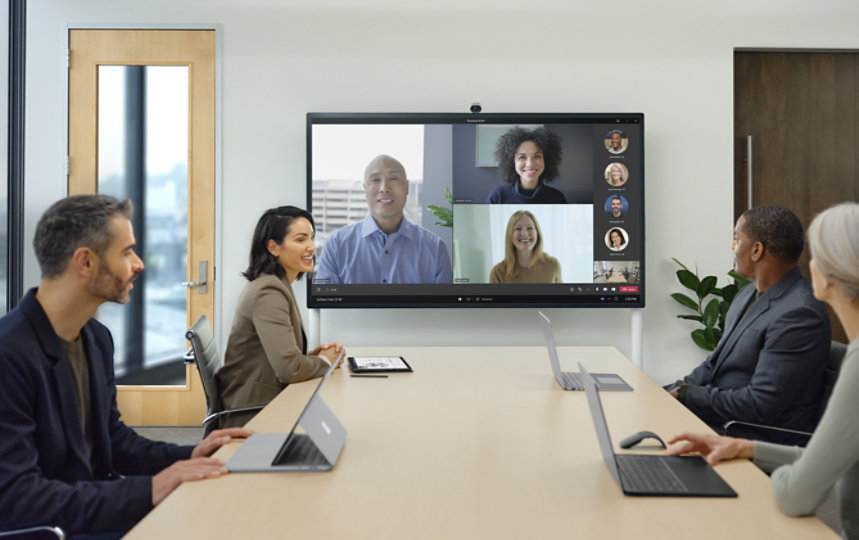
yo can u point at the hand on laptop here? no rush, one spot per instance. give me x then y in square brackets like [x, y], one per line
[200, 465]
[217, 439]
[714, 448]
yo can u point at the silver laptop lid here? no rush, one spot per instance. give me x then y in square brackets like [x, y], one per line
[324, 429]
[598, 415]
[318, 386]
[549, 337]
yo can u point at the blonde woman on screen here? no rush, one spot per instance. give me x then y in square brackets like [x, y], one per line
[803, 477]
[524, 260]
[616, 175]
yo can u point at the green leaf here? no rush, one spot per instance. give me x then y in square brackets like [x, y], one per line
[445, 215]
[691, 318]
[729, 292]
[683, 266]
[701, 340]
[711, 314]
[688, 280]
[686, 301]
[706, 287]
[710, 336]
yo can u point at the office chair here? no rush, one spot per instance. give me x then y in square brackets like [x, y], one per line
[33, 532]
[204, 353]
[748, 430]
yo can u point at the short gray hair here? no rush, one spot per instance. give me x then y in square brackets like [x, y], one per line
[834, 243]
[74, 222]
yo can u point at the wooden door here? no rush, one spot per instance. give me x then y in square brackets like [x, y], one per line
[90, 49]
[798, 112]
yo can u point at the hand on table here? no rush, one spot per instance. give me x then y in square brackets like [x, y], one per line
[330, 351]
[714, 448]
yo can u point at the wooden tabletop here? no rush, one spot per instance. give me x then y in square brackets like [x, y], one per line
[478, 442]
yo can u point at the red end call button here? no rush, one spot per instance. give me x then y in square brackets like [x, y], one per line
[629, 289]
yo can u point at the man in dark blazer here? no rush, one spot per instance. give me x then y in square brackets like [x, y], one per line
[66, 459]
[768, 367]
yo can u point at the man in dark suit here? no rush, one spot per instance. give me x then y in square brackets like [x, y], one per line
[768, 367]
[66, 459]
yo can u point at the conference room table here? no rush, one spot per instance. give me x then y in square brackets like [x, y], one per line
[477, 442]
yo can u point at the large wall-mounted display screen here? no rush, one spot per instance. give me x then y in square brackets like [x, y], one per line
[476, 210]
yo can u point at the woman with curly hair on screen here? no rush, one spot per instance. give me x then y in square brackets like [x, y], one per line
[528, 160]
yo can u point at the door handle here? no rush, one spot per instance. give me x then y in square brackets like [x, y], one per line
[201, 278]
[749, 170]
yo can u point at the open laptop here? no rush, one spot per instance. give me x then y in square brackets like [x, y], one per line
[569, 380]
[317, 449]
[653, 475]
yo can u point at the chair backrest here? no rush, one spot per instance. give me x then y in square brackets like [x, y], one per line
[34, 532]
[837, 350]
[207, 359]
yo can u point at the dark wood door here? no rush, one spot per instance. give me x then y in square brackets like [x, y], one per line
[798, 113]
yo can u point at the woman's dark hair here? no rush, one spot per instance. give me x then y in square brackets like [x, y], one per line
[548, 142]
[619, 233]
[273, 225]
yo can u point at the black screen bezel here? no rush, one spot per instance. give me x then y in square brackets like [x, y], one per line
[475, 300]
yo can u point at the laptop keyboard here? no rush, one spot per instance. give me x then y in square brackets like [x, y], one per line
[572, 380]
[648, 474]
[300, 450]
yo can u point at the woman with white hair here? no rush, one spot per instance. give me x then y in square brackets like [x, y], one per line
[802, 478]
[616, 174]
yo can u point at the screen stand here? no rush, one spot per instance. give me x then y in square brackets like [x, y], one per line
[635, 321]
[315, 328]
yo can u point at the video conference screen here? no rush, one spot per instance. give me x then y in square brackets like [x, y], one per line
[476, 210]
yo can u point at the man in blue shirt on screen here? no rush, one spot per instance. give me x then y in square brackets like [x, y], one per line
[384, 247]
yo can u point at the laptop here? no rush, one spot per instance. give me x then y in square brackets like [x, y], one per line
[653, 475]
[607, 382]
[317, 449]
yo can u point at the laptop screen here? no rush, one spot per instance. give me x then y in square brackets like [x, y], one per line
[600, 425]
[550, 346]
[309, 401]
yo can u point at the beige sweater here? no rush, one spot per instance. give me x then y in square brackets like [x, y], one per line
[547, 271]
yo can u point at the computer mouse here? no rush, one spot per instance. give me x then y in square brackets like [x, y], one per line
[636, 438]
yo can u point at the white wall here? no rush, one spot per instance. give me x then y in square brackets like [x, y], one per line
[671, 60]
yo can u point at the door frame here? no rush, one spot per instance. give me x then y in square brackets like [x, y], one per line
[145, 405]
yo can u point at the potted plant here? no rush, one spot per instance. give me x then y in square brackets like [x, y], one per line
[709, 302]
[443, 214]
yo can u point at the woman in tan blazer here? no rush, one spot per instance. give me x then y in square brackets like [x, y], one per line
[267, 348]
